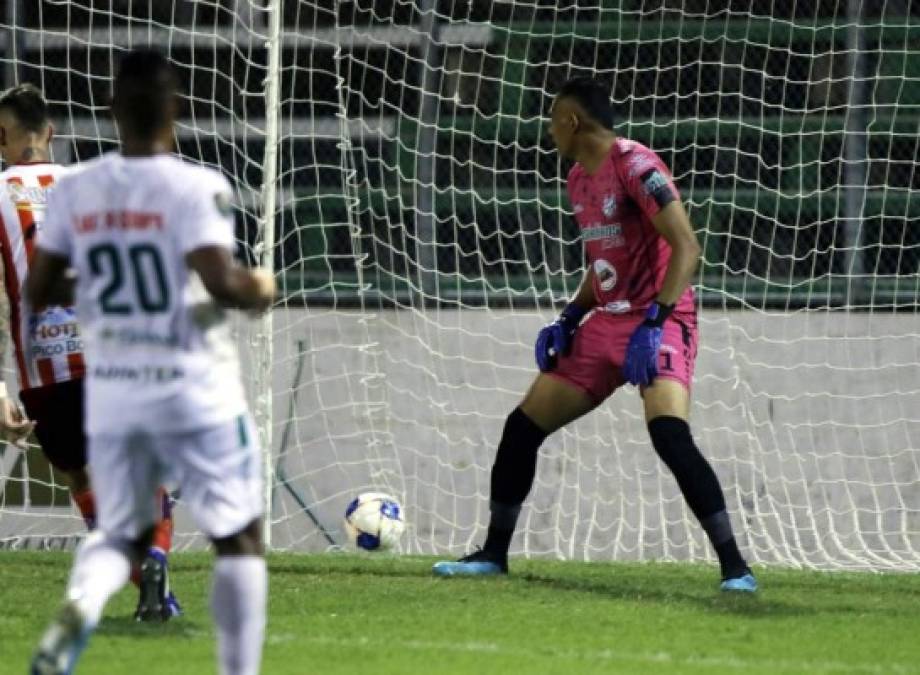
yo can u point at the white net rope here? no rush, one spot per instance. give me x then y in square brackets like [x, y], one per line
[423, 237]
[443, 241]
[69, 49]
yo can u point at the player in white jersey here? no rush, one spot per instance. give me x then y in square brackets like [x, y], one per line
[47, 344]
[150, 238]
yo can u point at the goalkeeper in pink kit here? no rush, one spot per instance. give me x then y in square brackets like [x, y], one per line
[641, 330]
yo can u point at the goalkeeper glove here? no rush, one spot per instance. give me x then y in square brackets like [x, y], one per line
[556, 338]
[640, 367]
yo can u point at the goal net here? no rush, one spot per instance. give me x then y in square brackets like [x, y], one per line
[70, 49]
[422, 236]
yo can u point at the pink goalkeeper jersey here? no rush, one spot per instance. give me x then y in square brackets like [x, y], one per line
[614, 208]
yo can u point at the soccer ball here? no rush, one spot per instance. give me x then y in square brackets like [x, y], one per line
[374, 521]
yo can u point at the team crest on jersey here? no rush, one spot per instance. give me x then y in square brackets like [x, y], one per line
[578, 208]
[606, 274]
[609, 206]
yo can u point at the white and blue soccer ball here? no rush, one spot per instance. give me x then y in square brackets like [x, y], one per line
[374, 521]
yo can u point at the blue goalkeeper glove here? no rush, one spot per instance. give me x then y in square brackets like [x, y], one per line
[640, 367]
[556, 338]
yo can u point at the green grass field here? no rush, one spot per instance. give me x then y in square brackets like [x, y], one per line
[338, 613]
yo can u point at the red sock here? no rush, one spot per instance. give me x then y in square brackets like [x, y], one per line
[162, 532]
[86, 504]
[162, 535]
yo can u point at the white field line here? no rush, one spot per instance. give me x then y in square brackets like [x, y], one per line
[735, 663]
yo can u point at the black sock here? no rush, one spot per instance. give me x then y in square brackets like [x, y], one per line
[730, 560]
[512, 478]
[502, 520]
[698, 482]
[718, 528]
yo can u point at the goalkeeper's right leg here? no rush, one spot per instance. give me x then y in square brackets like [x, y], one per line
[550, 404]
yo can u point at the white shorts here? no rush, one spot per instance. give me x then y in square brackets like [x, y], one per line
[218, 470]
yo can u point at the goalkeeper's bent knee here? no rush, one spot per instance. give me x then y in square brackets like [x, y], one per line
[516, 460]
[698, 482]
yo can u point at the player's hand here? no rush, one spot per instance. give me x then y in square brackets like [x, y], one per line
[265, 289]
[15, 427]
[556, 338]
[640, 367]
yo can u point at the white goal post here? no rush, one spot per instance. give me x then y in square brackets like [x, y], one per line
[392, 165]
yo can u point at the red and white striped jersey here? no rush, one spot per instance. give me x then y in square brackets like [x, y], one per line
[47, 342]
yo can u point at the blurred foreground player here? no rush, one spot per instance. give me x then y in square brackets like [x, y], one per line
[46, 341]
[642, 254]
[151, 240]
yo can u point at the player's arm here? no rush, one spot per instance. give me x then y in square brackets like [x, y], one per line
[207, 241]
[5, 324]
[584, 297]
[556, 338]
[49, 281]
[15, 427]
[673, 224]
[228, 282]
[658, 198]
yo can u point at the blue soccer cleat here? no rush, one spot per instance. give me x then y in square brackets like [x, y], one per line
[156, 601]
[173, 606]
[746, 583]
[62, 644]
[476, 564]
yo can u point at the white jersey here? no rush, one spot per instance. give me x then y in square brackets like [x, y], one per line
[46, 344]
[160, 357]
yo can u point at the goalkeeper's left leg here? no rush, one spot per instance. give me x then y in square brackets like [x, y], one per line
[666, 407]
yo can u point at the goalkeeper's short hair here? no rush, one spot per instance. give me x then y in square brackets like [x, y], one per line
[592, 95]
[28, 106]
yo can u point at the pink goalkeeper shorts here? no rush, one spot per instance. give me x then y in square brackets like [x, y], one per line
[600, 347]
